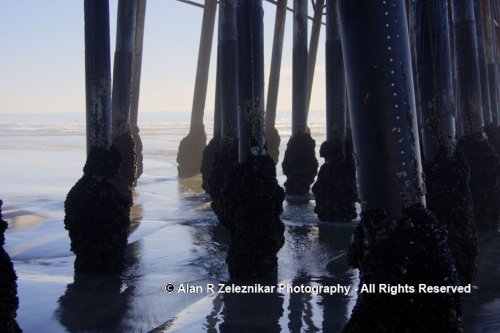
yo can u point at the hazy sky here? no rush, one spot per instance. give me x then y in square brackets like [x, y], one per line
[42, 56]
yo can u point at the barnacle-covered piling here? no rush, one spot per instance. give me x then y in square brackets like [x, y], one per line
[208, 156]
[8, 286]
[397, 235]
[335, 189]
[97, 215]
[255, 224]
[225, 159]
[272, 136]
[136, 83]
[397, 253]
[191, 147]
[299, 164]
[121, 101]
[447, 174]
[97, 212]
[481, 156]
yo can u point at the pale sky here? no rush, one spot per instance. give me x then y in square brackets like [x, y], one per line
[42, 57]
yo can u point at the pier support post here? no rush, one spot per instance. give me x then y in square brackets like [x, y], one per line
[335, 189]
[226, 155]
[319, 6]
[123, 140]
[97, 75]
[447, 174]
[229, 70]
[8, 286]
[495, 12]
[482, 158]
[483, 67]
[396, 231]
[136, 83]
[253, 195]
[210, 150]
[97, 213]
[299, 164]
[272, 136]
[453, 55]
[492, 130]
[191, 147]
[382, 106]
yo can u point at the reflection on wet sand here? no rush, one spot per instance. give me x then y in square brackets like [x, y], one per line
[136, 213]
[481, 309]
[100, 302]
[317, 256]
[189, 187]
[22, 220]
[334, 241]
[314, 254]
[252, 312]
[94, 302]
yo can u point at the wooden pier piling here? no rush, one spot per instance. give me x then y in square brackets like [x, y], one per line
[335, 189]
[299, 164]
[122, 93]
[482, 62]
[447, 174]
[379, 78]
[191, 147]
[272, 136]
[97, 214]
[97, 74]
[482, 158]
[136, 83]
[252, 197]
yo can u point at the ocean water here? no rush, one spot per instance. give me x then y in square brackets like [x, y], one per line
[175, 238]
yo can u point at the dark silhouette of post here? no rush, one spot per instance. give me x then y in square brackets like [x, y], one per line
[9, 301]
[492, 130]
[434, 78]
[299, 164]
[122, 70]
[490, 60]
[214, 143]
[122, 92]
[272, 136]
[217, 102]
[410, 9]
[379, 79]
[97, 74]
[313, 48]
[483, 67]
[136, 82]
[219, 154]
[97, 213]
[495, 12]
[336, 103]
[251, 197]
[385, 138]
[335, 189]
[299, 81]
[453, 58]
[229, 70]
[191, 147]
[447, 173]
[225, 158]
[482, 158]
[250, 79]
[468, 78]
